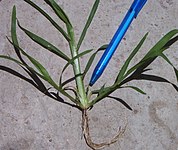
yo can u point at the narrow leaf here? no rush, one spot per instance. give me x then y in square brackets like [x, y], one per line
[40, 68]
[13, 27]
[45, 91]
[89, 20]
[14, 34]
[103, 47]
[45, 44]
[76, 57]
[100, 91]
[89, 63]
[127, 62]
[105, 92]
[32, 73]
[162, 45]
[29, 70]
[170, 42]
[45, 75]
[168, 61]
[12, 59]
[34, 76]
[91, 59]
[159, 47]
[135, 88]
[59, 11]
[49, 19]
[21, 64]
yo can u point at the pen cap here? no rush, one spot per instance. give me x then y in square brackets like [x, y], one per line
[137, 6]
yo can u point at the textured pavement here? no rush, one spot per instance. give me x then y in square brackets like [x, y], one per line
[31, 121]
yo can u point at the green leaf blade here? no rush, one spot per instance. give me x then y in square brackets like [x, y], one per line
[76, 57]
[21, 64]
[49, 19]
[91, 59]
[13, 26]
[127, 62]
[163, 44]
[12, 59]
[135, 88]
[89, 20]
[169, 62]
[59, 11]
[14, 34]
[45, 75]
[159, 47]
[40, 68]
[45, 44]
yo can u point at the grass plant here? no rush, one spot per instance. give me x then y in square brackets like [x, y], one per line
[82, 98]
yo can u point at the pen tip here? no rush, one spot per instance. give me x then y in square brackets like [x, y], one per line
[90, 84]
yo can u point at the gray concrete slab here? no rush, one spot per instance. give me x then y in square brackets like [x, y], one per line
[31, 121]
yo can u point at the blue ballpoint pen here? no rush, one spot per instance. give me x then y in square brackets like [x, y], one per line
[132, 13]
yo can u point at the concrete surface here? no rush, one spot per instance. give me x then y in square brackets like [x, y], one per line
[31, 121]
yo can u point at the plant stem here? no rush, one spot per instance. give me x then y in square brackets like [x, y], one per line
[77, 71]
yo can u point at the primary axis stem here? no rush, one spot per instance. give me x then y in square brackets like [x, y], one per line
[77, 71]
